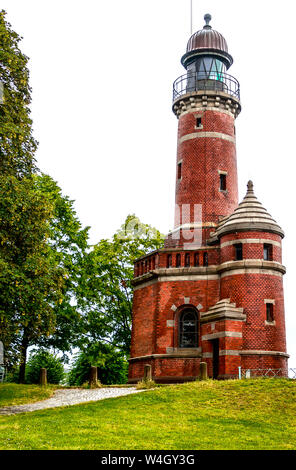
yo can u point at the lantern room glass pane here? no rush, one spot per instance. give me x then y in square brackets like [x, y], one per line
[204, 68]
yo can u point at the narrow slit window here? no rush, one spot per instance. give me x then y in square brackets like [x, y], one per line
[198, 122]
[196, 259]
[169, 261]
[153, 263]
[269, 313]
[178, 260]
[179, 170]
[238, 251]
[222, 182]
[187, 260]
[267, 252]
[205, 259]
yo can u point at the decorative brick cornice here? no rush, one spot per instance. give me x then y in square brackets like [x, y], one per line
[179, 274]
[200, 135]
[251, 264]
[210, 99]
[251, 352]
[211, 272]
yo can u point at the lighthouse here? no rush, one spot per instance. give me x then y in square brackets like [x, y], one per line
[214, 292]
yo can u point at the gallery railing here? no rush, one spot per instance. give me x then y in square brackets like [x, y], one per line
[202, 81]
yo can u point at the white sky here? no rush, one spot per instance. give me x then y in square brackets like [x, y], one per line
[102, 74]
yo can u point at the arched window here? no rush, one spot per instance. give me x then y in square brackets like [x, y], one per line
[188, 329]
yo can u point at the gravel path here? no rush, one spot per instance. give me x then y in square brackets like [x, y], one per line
[69, 397]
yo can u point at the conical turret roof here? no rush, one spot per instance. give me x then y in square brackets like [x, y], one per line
[249, 216]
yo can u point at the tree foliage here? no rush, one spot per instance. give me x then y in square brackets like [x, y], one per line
[112, 365]
[41, 241]
[17, 145]
[106, 296]
[42, 249]
[52, 364]
[30, 278]
[69, 244]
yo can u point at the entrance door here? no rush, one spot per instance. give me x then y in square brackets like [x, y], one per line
[215, 343]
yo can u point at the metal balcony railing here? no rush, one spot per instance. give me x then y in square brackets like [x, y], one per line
[201, 81]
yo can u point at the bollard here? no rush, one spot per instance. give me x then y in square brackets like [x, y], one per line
[93, 377]
[239, 372]
[203, 371]
[147, 372]
[43, 376]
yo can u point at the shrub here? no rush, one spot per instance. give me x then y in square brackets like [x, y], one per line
[112, 366]
[43, 358]
[146, 384]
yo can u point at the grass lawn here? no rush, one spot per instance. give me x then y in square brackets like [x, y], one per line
[236, 414]
[15, 394]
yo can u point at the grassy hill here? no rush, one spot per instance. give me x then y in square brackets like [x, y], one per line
[246, 414]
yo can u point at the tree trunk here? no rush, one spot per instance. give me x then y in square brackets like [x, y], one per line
[24, 347]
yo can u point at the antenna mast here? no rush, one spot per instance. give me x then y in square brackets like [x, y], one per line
[191, 17]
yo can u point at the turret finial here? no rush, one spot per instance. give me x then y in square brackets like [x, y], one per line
[207, 19]
[250, 186]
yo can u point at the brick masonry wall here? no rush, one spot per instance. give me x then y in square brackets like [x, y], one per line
[249, 291]
[265, 362]
[152, 335]
[166, 370]
[143, 320]
[228, 364]
[153, 306]
[251, 250]
[202, 158]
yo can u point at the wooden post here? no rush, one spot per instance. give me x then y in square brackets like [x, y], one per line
[43, 376]
[93, 377]
[147, 372]
[203, 371]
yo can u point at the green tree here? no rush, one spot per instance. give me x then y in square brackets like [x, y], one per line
[106, 293]
[112, 365]
[53, 365]
[17, 145]
[37, 227]
[30, 277]
[69, 244]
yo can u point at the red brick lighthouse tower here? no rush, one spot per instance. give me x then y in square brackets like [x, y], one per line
[214, 293]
